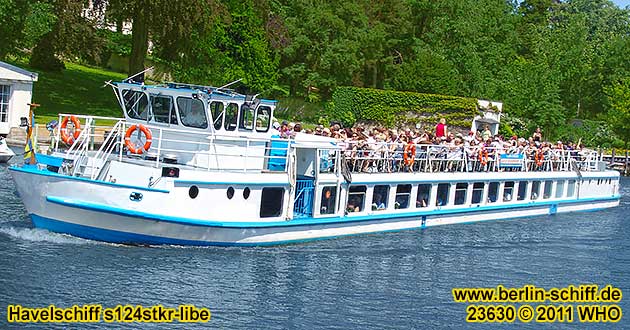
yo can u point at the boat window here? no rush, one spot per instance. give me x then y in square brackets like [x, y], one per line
[535, 190]
[216, 109]
[548, 186]
[460, 193]
[560, 189]
[508, 191]
[379, 197]
[356, 198]
[247, 118]
[271, 202]
[327, 160]
[403, 194]
[136, 104]
[231, 114]
[163, 109]
[571, 188]
[522, 190]
[191, 112]
[493, 192]
[329, 196]
[442, 194]
[263, 113]
[424, 195]
[477, 193]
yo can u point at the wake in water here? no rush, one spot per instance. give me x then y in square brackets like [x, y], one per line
[40, 235]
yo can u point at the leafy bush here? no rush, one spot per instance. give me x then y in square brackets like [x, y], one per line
[394, 108]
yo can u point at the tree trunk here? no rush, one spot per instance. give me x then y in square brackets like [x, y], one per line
[139, 38]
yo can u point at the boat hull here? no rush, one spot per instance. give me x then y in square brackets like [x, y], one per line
[103, 211]
[127, 229]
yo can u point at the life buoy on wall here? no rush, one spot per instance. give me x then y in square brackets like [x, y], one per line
[539, 157]
[66, 137]
[483, 156]
[409, 154]
[131, 146]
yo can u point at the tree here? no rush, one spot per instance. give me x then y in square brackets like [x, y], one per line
[618, 95]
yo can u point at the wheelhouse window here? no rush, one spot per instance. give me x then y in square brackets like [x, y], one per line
[216, 109]
[535, 190]
[380, 195]
[571, 188]
[560, 189]
[163, 109]
[271, 202]
[5, 94]
[327, 159]
[508, 191]
[403, 194]
[263, 115]
[191, 112]
[460, 193]
[329, 196]
[247, 118]
[493, 192]
[424, 195]
[477, 193]
[231, 115]
[547, 192]
[442, 194]
[356, 198]
[522, 190]
[136, 104]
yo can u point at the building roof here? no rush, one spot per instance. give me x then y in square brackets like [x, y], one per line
[11, 72]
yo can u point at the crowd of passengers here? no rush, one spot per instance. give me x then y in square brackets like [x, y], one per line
[392, 150]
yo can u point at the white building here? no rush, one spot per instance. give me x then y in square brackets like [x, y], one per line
[16, 91]
[490, 114]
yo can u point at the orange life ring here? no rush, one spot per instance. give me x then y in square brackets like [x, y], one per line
[132, 147]
[409, 154]
[483, 156]
[65, 136]
[539, 157]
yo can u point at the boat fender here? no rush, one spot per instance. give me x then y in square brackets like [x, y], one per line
[131, 146]
[65, 136]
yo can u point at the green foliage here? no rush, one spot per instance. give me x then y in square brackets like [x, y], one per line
[619, 112]
[400, 108]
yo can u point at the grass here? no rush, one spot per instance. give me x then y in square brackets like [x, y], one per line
[77, 90]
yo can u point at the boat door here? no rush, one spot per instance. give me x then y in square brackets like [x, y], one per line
[305, 170]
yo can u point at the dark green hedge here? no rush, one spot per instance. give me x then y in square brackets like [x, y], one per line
[394, 108]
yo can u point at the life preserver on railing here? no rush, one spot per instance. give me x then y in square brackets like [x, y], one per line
[409, 154]
[131, 146]
[483, 156]
[539, 157]
[65, 136]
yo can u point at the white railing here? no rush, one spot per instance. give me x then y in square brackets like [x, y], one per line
[97, 144]
[382, 157]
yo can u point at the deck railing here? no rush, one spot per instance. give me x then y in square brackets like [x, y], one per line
[392, 157]
[103, 143]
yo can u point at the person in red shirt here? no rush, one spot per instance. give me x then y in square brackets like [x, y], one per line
[440, 129]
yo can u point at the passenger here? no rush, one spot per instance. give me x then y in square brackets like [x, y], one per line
[537, 136]
[486, 134]
[441, 129]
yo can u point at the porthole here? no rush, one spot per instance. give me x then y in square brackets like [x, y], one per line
[230, 193]
[246, 193]
[193, 192]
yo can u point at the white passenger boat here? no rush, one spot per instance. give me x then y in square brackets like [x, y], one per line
[5, 152]
[197, 165]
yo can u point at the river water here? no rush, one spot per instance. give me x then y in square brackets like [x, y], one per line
[383, 281]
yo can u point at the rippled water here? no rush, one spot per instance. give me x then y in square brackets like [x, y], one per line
[383, 281]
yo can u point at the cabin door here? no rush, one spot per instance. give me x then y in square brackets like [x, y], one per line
[5, 95]
[305, 176]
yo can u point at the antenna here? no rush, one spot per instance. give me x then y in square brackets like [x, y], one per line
[139, 73]
[232, 83]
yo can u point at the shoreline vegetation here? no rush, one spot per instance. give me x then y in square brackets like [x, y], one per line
[558, 65]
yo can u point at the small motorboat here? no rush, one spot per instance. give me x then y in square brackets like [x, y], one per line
[5, 152]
